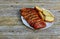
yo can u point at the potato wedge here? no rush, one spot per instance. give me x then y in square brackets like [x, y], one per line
[38, 8]
[49, 18]
[47, 13]
[41, 15]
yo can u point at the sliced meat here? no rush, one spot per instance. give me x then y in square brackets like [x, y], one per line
[32, 17]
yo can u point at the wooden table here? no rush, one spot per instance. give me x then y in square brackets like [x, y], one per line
[11, 26]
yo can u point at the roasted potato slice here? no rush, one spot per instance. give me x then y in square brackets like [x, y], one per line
[49, 18]
[38, 8]
[41, 15]
[45, 14]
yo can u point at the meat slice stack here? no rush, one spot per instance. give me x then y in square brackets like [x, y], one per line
[32, 17]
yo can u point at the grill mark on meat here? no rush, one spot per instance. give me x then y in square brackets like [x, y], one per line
[32, 17]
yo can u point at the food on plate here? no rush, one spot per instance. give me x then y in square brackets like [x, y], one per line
[41, 15]
[38, 8]
[49, 18]
[45, 15]
[32, 17]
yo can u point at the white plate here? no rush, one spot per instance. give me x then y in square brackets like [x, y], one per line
[47, 23]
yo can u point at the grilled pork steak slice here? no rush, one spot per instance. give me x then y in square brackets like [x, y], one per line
[32, 17]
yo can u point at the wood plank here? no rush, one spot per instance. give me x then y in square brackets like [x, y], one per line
[12, 27]
[47, 6]
[29, 0]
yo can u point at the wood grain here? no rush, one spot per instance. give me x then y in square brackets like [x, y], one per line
[11, 26]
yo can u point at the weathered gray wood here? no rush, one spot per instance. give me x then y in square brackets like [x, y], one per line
[11, 26]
